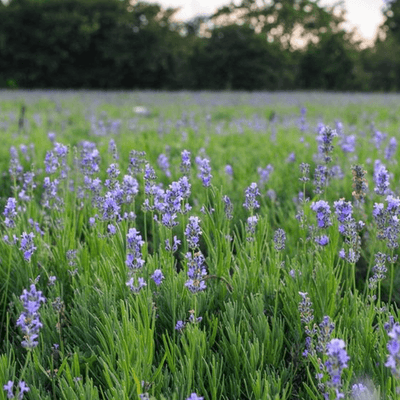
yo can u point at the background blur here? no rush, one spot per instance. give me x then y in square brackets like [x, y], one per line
[243, 45]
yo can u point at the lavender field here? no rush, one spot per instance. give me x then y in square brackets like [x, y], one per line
[185, 246]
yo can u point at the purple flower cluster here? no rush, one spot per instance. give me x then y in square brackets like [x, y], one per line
[51, 198]
[344, 213]
[175, 244]
[251, 227]
[194, 396]
[15, 168]
[26, 245]
[306, 317]
[320, 178]
[337, 361]
[228, 207]
[29, 320]
[251, 193]
[393, 361]
[56, 158]
[229, 170]
[157, 277]
[112, 149]
[381, 179]
[163, 163]
[264, 174]
[325, 329]
[349, 228]
[135, 288]
[89, 158]
[279, 239]
[322, 240]
[185, 163]
[391, 149]
[360, 184]
[10, 213]
[348, 143]
[325, 140]
[9, 388]
[136, 162]
[323, 211]
[379, 270]
[196, 272]
[193, 232]
[305, 171]
[203, 165]
[169, 203]
[134, 259]
[387, 221]
[28, 185]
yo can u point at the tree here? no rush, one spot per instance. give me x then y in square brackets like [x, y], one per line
[284, 21]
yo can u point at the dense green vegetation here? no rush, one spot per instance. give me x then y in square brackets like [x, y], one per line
[255, 45]
[79, 163]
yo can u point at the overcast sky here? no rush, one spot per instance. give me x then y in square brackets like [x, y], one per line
[365, 15]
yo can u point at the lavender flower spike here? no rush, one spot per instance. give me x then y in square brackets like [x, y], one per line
[323, 211]
[194, 396]
[393, 346]
[251, 192]
[29, 320]
[193, 232]
[337, 361]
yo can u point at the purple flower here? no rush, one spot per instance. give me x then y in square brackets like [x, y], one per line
[391, 149]
[9, 389]
[325, 139]
[196, 272]
[185, 164]
[229, 170]
[228, 208]
[163, 163]
[194, 396]
[264, 174]
[134, 245]
[337, 361]
[136, 288]
[27, 245]
[279, 239]
[52, 280]
[343, 210]
[381, 178]
[322, 240]
[112, 230]
[251, 193]
[29, 320]
[10, 213]
[322, 209]
[251, 227]
[157, 277]
[394, 349]
[320, 178]
[360, 392]
[179, 326]
[23, 388]
[203, 165]
[175, 245]
[193, 232]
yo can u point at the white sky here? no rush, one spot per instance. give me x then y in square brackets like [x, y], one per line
[365, 15]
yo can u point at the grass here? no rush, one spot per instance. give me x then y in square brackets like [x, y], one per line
[100, 340]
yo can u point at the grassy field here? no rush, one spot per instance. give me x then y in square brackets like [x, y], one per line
[199, 245]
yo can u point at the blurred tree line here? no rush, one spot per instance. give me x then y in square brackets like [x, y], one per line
[254, 45]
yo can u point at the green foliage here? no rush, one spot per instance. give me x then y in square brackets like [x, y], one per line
[251, 45]
[249, 344]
